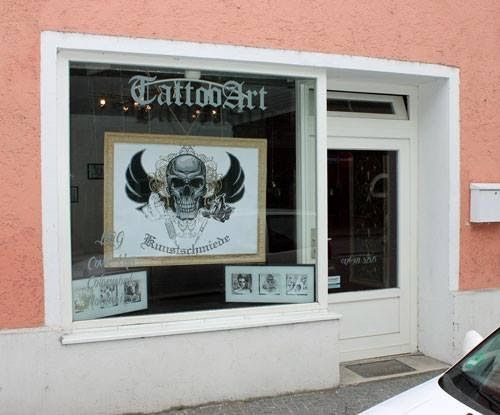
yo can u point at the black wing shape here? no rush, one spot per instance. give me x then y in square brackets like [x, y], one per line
[137, 187]
[233, 183]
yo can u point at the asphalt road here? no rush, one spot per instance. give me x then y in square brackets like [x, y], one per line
[346, 400]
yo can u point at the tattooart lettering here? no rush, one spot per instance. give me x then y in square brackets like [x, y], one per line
[146, 90]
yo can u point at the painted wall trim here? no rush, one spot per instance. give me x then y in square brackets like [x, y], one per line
[438, 227]
[48, 61]
[193, 326]
[454, 180]
[158, 47]
[150, 375]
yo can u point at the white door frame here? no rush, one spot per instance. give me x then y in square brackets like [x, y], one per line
[401, 136]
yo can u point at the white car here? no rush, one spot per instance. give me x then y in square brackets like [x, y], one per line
[470, 387]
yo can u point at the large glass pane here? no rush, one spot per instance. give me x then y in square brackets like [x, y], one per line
[362, 220]
[174, 165]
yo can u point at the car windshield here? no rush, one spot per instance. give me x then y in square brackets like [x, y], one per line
[475, 380]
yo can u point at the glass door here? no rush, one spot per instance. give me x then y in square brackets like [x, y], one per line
[362, 219]
[369, 245]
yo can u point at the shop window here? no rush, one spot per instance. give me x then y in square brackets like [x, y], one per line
[186, 192]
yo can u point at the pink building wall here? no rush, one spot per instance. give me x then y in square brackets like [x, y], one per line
[465, 34]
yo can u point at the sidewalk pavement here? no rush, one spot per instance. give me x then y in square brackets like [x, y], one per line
[344, 400]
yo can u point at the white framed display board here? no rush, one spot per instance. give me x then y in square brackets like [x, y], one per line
[270, 283]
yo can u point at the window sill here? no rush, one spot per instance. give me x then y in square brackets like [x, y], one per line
[136, 331]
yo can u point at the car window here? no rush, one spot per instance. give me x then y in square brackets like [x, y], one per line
[475, 380]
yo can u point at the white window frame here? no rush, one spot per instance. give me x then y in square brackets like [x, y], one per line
[58, 50]
[438, 126]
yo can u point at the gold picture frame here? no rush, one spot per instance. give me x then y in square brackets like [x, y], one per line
[228, 222]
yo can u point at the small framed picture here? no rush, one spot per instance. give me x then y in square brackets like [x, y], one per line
[270, 283]
[241, 284]
[297, 283]
[74, 194]
[109, 295]
[95, 171]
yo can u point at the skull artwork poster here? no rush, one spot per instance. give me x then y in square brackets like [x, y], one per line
[185, 199]
[186, 177]
[187, 184]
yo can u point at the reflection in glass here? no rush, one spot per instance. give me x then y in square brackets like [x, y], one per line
[101, 101]
[362, 219]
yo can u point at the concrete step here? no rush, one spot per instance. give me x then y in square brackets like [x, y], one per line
[387, 367]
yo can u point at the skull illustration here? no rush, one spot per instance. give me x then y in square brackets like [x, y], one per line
[187, 184]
